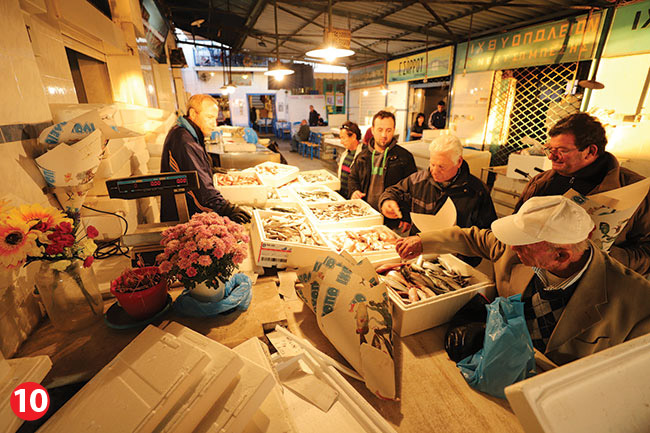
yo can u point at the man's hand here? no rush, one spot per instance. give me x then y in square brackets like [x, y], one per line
[390, 209]
[409, 248]
[357, 194]
[235, 213]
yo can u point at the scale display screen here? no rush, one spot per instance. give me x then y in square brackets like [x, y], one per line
[152, 185]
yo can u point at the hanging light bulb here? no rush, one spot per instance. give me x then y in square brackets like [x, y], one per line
[231, 88]
[330, 51]
[278, 71]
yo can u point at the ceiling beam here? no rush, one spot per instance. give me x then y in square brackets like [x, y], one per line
[253, 16]
[305, 24]
[440, 21]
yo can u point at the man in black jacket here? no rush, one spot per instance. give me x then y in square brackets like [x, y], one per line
[184, 150]
[427, 190]
[313, 116]
[381, 164]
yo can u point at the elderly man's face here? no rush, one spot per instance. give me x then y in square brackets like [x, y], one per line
[540, 255]
[383, 131]
[442, 167]
[206, 118]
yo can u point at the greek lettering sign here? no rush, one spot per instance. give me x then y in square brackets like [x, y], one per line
[367, 76]
[415, 67]
[556, 42]
[630, 32]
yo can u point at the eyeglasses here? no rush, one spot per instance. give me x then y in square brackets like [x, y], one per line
[562, 152]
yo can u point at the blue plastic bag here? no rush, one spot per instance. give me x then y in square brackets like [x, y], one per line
[507, 355]
[250, 135]
[238, 294]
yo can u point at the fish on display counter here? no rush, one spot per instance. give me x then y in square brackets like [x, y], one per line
[317, 196]
[339, 211]
[362, 241]
[291, 228]
[231, 179]
[318, 177]
[421, 279]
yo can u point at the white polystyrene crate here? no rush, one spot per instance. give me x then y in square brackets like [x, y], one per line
[331, 182]
[286, 190]
[276, 205]
[285, 173]
[219, 404]
[112, 162]
[608, 391]
[243, 194]
[297, 189]
[531, 164]
[373, 219]
[432, 312]
[269, 252]
[378, 256]
[153, 377]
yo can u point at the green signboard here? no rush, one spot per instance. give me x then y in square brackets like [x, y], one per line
[545, 44]
[415, 67]
[367, 76]
[630, 32]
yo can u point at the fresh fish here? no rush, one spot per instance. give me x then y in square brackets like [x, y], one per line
[339, 211]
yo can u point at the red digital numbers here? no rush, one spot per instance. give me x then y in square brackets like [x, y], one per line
[181, 180]
[155, 183]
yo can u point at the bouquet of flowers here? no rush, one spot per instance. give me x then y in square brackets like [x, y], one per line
[32, 232]
[134, 280]
[205, 249]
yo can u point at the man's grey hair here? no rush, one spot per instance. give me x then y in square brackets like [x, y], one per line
[449, 144]
[576, 248]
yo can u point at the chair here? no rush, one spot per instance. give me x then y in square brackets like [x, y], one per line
[408, 134]
[285, 132]
[302, 145]
[314, 145]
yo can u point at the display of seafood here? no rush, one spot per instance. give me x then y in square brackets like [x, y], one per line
[317, 177]
[235, 179]
[317, 196]
[421, 279]
[340, 210]
[362, 241]
[291, 228]
[272, 169]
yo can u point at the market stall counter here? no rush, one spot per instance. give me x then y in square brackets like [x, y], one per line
[433, 396]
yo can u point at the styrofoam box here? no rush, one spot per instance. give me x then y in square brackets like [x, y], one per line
[313, 188]
[431, 312]
[297, 207]
[243, 194]
[373, 256]
[149, 381]
[374, 219]
[608, 391]
[112, 162]
[282, 254]
[99, 184]
[528, 164]
[332, 182]
[286, 173]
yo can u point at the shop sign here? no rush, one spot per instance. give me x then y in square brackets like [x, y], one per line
[339, 38]
[545, 44]
[630, 32]
[415, 67]
[367, 76]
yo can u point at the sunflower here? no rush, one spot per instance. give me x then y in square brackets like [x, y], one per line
[37, 217]
[16, 243]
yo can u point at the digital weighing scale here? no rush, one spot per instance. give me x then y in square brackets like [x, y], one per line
[145, 240]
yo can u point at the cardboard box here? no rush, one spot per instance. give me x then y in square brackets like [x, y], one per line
[432, 312]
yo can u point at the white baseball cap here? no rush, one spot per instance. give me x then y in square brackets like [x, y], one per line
[554, 219]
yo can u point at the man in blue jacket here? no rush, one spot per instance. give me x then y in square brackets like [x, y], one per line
[184, 150]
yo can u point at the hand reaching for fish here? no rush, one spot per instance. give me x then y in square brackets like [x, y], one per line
[357, 194]
[390, 209]
[409, 248]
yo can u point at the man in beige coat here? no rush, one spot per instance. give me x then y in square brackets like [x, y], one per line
[577, 300]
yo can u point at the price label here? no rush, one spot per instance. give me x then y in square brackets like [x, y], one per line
[29, 401]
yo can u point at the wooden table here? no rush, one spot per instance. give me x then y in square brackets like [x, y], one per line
[433, 394]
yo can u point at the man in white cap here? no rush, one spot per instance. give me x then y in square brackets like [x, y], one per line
[577, 300]
[426, 191]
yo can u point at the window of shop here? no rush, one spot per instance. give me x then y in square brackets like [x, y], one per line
[90, 77]
[527, 102]
[424, 97]
[334, 91]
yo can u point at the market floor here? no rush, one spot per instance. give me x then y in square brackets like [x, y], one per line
[304, 163]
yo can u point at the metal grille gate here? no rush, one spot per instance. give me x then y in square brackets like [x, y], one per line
[526, 102]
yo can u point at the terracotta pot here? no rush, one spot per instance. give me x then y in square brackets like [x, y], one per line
[144, 303]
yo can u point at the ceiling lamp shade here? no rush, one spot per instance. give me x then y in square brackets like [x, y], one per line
[336, 42]
[278, 71]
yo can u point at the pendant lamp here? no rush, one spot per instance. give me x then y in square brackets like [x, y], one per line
[334, 46]
[278, 71]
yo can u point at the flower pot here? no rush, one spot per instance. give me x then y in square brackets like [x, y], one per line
[205, 293]
[144, 303]
[71, 297]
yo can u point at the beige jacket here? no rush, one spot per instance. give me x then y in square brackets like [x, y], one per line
[611, 303]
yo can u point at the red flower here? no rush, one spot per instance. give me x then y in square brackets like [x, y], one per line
[53, 249]
[92, 232]
[65, 227]
[89, 261]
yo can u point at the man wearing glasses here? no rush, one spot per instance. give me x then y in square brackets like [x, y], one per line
[580, 162]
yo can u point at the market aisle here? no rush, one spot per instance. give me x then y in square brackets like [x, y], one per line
[302, 162]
